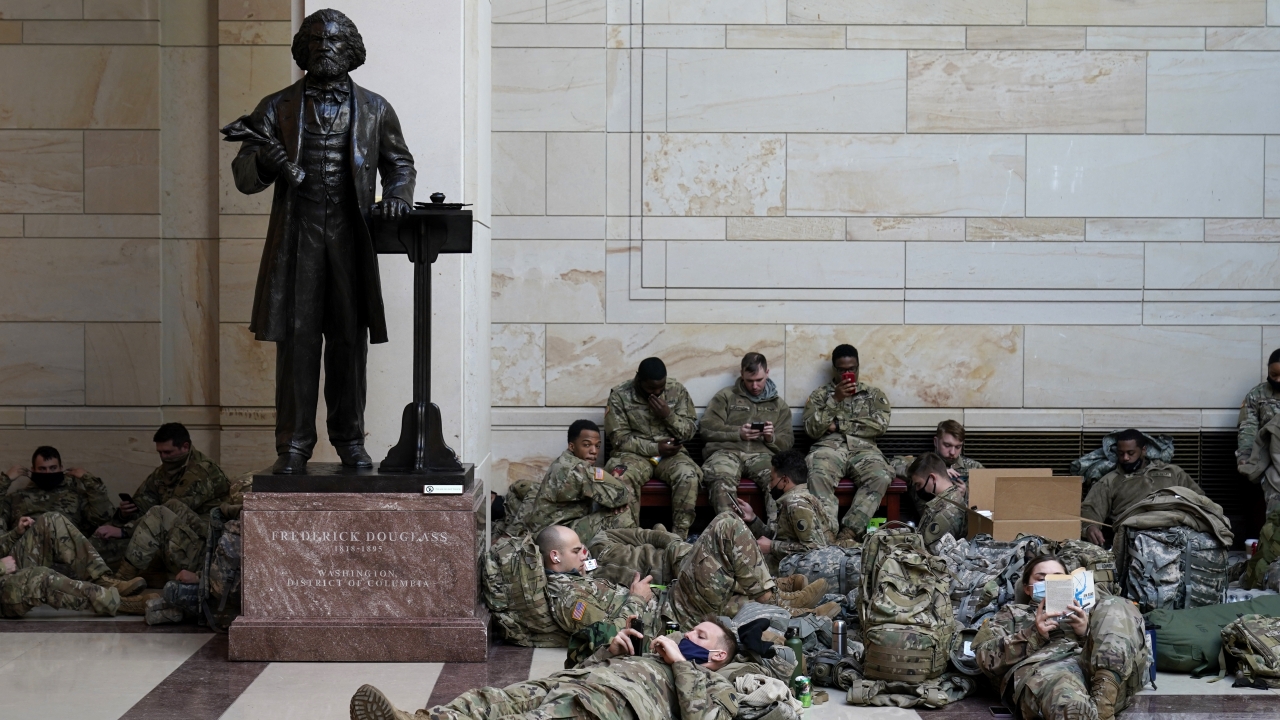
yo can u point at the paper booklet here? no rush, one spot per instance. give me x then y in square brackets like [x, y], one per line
[1063, 590]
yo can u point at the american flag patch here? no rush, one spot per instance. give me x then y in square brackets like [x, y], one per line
[599, 473]
[579, 610]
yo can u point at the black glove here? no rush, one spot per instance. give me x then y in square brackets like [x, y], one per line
[750, 637]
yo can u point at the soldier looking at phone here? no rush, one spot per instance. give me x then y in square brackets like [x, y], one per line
[845, 417]
[648, 419]
[745, 425]
[801, 525]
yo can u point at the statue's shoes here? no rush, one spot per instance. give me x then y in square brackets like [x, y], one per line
[290, 464]
[354, 456]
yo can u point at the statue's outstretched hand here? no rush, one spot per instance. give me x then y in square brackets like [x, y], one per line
[391, 208]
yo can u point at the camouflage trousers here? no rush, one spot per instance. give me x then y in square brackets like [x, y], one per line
[35, 586]
[722, 572]
[173, 532]
[679, 471]
[725, 468]
[592, 524]
[551, 697]
[868, 470]
[624, 552]
[1116, 642]
[1271, 495]
[55, 542]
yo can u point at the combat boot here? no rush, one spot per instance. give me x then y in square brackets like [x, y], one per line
[846, 534]
[103, 600]
[160, 612]
[1105, 693]
[806, 598]
[127, 571]
[370, 704]
[136, 604]
[792, 583]
[1079, 708]
[126, 587]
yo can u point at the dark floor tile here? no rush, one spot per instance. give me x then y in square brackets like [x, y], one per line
[507, 664]
[202, 688]
[91, 626]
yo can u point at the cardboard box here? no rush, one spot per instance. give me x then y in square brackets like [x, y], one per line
[1022, 501]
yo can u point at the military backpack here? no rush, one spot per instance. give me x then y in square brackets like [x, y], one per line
[1268, 552]
[514, 586]
[904, 610]
[1253, 641]
[841, 567]
[1174, 568]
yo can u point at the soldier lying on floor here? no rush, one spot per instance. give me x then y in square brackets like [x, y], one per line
[677, 680]
[27, 578]
[1079, 666]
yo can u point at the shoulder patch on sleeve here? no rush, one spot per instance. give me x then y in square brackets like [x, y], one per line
[579, 609]
[599, 473]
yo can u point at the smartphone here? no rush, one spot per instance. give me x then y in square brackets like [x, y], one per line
[677, 442]
[850, 377]
[126, 497]
[1000, 711]
[757, 426]
[641, 645]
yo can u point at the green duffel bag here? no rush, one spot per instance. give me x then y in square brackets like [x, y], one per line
[1189, 641]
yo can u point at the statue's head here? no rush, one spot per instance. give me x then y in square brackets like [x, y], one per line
[328, 44]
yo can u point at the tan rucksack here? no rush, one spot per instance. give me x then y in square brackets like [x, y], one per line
[514, 586]
[1253, 641]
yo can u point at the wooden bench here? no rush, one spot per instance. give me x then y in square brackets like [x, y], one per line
[656, 494]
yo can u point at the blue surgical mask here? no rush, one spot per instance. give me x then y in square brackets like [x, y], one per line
[693, 652]
[1037, 592]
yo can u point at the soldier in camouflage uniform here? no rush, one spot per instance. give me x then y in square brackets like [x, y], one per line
[625, 551]
[845, 418]
[1259, 407]
[1082, 667]
[78, 495]
[576, 598]
[1134, 478]
[948, 443]
[647, 420]
[802, 523]
[946, 513]
[169, 514]
[577, 494]
[677, 680]
[27, 579]
[734, 448]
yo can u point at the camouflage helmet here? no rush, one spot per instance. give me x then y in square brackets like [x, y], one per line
[965, 663]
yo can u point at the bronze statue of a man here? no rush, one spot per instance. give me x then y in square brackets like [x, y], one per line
[319, 141]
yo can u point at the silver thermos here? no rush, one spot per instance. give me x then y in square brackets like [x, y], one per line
[837, 636]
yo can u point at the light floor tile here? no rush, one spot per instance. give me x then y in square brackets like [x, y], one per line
[319, 691]
[13, 645]
[836, 709]
[545, 661]
[90, 675]
[1171, 684]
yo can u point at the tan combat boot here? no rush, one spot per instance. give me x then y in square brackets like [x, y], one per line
[126, 587]
[792, 583]
[137, 604]
[370, 704]
[846, 535]
[127, 571]
[1105, 693]
[806, 598]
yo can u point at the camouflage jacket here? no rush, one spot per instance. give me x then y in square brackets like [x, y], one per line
[199, 484]
[1116, 492]
[731, 408]
[633, 428]
[944, 514]
[1259, 406]
[859, 419]
[83, 501]
[577, 601]
[568, 492]
[1008, 647]
[654, 689]
[801, 526]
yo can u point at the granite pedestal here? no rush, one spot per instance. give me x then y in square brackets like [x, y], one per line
[361, 566]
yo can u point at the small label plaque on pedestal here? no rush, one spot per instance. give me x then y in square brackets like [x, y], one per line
[363, 576]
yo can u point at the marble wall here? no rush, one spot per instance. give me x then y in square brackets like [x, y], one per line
[1055, 214]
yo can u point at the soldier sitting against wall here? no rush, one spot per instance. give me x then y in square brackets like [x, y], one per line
[648, 419]
[28, 553]
[675, 680]
[577, 494]
[1260, 405]
[845, 417]
[948, 444]
[75, 493]
[944, 498]
[1079, 666]
[168, 515]
[745, 425]
[801, 525]
[1134, 478]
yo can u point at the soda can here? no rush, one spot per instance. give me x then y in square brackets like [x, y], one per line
[803, 690]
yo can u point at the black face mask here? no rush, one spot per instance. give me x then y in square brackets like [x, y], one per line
[1275, 384]
[776, 493]
[48, 481]
[1130, 468]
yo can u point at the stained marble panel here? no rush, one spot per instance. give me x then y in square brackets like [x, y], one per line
[915, 365]
[238, 262]
[830, 265]
[548, 280]
[122, 364]
[1118, 367]
[1216, 266]
[715, 11]
[783, 36]
[41, 171]
[524, 454]
[1241, 230]
[908, 12]
[1146, 12]
[1024, 265]
[41, 363]
[575, 174]
[548, 89]
[80, 86]
[1046, 229]
[519, 365]
[97, 280]
[585, 361]
[519, 11]
[122, 171]
[1241, 39]
[1271, 172]
[714, 174]
[1146, 38]
[247, 368]
[1144, 229]
[905, 37]
[956, 175]
[785, 91]
[785, 228]
[190, 322]
[1213, 92]
[900, 228]
[997, 37]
